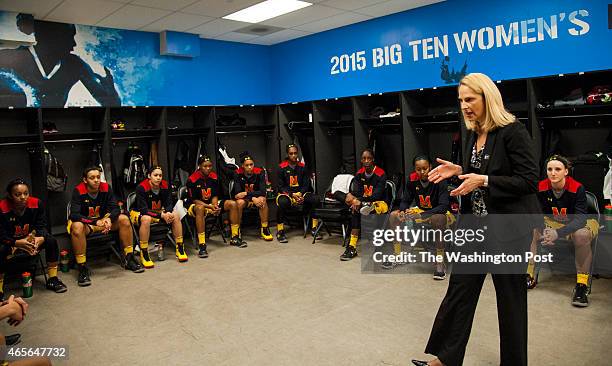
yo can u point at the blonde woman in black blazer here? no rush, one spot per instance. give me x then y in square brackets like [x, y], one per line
[499, 176]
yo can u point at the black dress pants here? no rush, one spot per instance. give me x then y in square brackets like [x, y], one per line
[453, 323]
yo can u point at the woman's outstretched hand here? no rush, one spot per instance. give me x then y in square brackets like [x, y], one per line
[470, 182]
[445, 170]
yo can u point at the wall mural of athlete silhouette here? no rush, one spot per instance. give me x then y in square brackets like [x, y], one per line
[43, 74]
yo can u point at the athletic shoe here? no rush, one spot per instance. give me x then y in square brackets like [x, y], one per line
[580, 297]
[132, 264]
[281, 237]
[84, 279]
[54, 284]
[439, 275]
[349, 253]
[13, 339]
[237, 242]
[531, 281]
[367, 209]
[145, 259]
[266, 234]
[419, 363]
[388, 265]
[202, 253]
[180, 253]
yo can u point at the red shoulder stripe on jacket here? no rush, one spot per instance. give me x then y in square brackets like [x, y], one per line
[5, 205]
[146, 185]
[544, 185]
[33, 202]
[195, 176]
[82, 188]
[378, 171]
[572, 185]
[103, 187]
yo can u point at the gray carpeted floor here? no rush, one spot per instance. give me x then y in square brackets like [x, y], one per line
[292, 304]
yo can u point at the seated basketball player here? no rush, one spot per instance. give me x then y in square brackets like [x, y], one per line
[367, 196]
[564, 204]
[154, 205]
[203, 200]
[431, 207]
[294, 189]
[23, 227]
[250, 190]
[94, 209]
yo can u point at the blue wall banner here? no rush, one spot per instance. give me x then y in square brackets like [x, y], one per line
[437, 44]
[75, 65]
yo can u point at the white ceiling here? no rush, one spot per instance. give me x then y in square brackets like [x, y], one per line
[203, 17]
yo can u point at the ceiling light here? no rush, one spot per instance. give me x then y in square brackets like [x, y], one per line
[266, 10]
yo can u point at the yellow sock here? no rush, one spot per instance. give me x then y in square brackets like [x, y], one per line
[440, 253]
[52, 271]
[127, 250]
[582, 278]
[144, 244]
[264, 224]
[315, 223]
[80, 258]
[280, 227]
[235, 229]
[201, 238]
[353, 241]
[179, 239]
[531, 268]
[397, 247]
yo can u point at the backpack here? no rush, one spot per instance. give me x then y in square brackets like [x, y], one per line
[183, 165]
[56, 176]
[95, 159]
[135, 170]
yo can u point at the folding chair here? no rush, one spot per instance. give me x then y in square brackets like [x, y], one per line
[156, 230]
[333, 212]
[22, 259]
[592, 213]
[94, 238]
[211, 222]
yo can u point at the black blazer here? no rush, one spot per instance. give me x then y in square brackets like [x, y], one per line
[511, 164]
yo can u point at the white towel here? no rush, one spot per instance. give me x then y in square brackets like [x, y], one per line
[341, 183]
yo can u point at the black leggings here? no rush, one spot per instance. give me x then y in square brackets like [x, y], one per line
[50, 246]
[284, 204]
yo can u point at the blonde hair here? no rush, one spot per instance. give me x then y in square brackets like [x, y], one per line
[495, 115]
